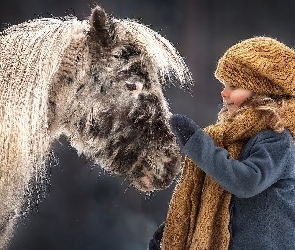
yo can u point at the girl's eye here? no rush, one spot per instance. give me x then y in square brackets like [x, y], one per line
[232, 86]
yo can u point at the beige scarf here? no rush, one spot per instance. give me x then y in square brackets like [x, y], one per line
[198, 215]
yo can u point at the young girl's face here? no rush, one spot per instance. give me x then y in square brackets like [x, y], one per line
[233, 97]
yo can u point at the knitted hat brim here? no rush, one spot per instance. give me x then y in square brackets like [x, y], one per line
[260, 64]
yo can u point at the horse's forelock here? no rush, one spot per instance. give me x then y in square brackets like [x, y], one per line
[165, 59]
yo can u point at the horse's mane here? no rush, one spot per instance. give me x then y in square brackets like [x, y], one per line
[30, 55]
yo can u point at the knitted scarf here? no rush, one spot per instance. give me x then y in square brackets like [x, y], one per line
[198, 215]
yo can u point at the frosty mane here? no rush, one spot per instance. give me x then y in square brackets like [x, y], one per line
[34, 59]
[165, 58]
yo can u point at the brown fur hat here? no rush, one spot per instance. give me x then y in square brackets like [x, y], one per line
[261, 64]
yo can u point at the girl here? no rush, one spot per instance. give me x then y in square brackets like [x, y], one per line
[237, 186]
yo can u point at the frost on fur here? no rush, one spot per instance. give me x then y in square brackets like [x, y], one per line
[99, 83]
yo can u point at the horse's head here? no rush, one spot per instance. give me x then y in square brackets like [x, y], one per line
[118, 115]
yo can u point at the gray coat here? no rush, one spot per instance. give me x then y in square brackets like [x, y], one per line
[262, 181]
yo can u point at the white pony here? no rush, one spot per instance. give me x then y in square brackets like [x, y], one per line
[99, 83]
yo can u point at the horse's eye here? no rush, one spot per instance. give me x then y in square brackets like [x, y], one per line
[130, 86]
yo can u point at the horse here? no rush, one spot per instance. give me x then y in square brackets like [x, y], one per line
[98, 82]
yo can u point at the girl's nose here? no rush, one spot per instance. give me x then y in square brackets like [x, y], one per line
[224, 93]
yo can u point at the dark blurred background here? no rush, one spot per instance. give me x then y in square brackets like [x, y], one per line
[88, 209]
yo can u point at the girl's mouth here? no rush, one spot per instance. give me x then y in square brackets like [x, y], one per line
[229, 104]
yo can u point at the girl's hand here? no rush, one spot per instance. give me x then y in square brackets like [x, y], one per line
[183, 128]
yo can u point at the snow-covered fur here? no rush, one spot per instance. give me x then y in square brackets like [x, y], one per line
[99, 83]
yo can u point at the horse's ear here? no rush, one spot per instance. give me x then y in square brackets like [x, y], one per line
[102, 27]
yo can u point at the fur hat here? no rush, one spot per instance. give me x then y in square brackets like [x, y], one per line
[260, 64]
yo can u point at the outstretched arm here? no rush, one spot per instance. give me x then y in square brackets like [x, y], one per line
[268, 157]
